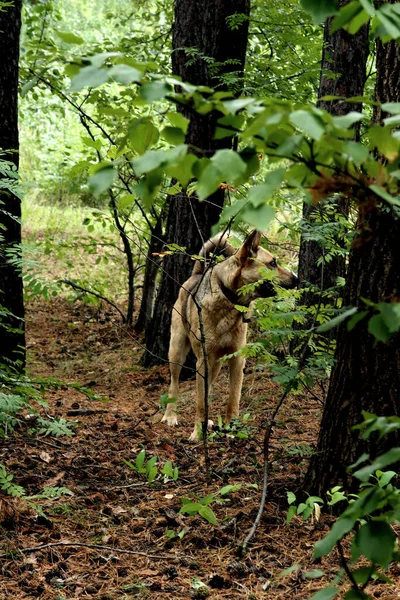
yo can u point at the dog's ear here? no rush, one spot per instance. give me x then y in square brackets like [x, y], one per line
[250, 247]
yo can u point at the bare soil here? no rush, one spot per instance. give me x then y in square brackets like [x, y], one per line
[108, 541]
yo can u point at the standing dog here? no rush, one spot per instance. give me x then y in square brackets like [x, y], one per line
[216, 288]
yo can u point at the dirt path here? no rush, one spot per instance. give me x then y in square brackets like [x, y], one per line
[127, 538]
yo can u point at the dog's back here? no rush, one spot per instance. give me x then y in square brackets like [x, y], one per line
[214, 247]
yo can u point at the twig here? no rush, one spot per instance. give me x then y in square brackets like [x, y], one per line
[243, 546]
[345, 566]
[83, 545]
[87, 291]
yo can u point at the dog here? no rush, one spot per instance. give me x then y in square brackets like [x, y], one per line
[214, 291]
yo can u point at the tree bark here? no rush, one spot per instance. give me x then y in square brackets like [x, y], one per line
[343, 73]
[199, 24]
[367, 373]
[12, 336]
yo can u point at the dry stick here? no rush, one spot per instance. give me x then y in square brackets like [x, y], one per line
[243, 546]
[82, 545]
[87, 291]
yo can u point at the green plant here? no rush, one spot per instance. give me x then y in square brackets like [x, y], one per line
[368, 518]
[311, 507]
[150, 470]
[202, 506]
[17, 491]
[238, 428]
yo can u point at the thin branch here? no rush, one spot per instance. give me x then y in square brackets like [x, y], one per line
[83, 545]
[87, 291]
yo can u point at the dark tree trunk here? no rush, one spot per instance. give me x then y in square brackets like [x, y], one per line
[200, 24]
[150, 275]
[344, 55]
[366, 374]
[12, 336]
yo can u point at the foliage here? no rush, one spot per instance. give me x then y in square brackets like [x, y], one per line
[368, 518]
[12, 489]
[150, 469]
[202, 506]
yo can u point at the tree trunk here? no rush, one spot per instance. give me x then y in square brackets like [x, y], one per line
[343, 73]
[367, 373]
[200, 24]
[150, 275]
[12, 336]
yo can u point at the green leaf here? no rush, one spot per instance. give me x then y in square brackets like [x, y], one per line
[207, 514]
[153, 159]
[178, 120]
[173, 135]
[209, 181]
[320, 9]
[356, 319]
[140, 459]
[291, 497]
[378, 328]
[356, 595]
[385, 195]
[308, 122]
[69, 38]
[183, 170]
[290, 513]
[142, 134]
[391, 107]
[230, 166]
[390, 312]
[314, 574]
[102, 180]
[155, 90]
[125, 74]
[376, 541]
[339, 529]
[337, 320]
[90, 76]
[390, 457]
[345, 121]
[259, 218]
[357, 152]
[191, 507]
[363, 574]
[151, 475]
[346, 15]
[261, 193]
[325, 594]
[382, 139]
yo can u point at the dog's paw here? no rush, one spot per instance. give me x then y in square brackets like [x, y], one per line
[171, 420]
[196, 434]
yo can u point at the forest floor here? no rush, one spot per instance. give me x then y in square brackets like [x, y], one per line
[109, 539]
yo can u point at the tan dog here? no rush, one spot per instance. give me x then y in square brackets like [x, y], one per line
[215, 287]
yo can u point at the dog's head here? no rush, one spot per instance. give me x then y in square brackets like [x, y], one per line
[252, 259]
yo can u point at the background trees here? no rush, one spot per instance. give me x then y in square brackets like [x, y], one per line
[12, 338]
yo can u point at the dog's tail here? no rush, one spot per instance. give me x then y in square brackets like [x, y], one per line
[215, 246]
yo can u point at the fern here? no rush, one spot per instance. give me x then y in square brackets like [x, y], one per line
[57, 427]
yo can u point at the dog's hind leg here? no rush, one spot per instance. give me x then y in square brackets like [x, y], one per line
[214, 367]
[236, 366]
[178, 350]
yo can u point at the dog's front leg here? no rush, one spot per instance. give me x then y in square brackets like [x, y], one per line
[236, 366]
[170, 416]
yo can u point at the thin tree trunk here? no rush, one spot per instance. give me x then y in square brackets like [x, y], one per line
[200, 24]
[12, 335]
[367, 373]
[150, 276]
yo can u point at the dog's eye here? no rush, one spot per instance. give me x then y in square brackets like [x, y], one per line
[273, 264]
